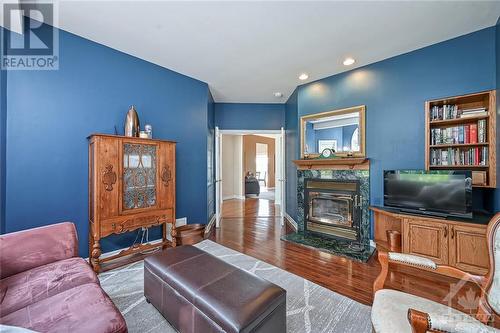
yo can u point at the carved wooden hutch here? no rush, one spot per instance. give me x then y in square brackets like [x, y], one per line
[131, 186]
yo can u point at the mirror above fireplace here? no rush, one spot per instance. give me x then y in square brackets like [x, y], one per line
[342, 130]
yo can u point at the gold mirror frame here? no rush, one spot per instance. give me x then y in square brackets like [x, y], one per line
[362, 146]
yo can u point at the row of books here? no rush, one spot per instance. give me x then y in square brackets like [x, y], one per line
[470, 133]
[456, 156]
[446, 112]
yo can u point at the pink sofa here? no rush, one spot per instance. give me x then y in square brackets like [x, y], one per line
[46, 287]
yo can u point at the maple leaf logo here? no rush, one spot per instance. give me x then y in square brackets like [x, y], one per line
[470, 301]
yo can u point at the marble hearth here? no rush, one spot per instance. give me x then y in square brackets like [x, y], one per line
[359, 248]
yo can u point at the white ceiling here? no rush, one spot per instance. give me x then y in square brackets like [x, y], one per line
[246, 51]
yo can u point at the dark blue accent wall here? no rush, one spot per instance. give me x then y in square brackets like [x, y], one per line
[249, 116]
[394, 92]
[292, 152]
[51, 113]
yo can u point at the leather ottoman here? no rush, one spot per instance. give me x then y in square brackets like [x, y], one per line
[197, 292]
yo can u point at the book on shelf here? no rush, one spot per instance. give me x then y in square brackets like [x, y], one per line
[473, 133]
[447, 112]
[444, 112]
[475, 112]
[462, 134]
[481, 127]
[474, 115]
[477, 156]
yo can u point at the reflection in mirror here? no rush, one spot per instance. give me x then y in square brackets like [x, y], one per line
[340, 130]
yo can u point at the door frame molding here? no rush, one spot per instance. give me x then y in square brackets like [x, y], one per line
[217, 161]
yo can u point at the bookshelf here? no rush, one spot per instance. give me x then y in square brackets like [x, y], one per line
[460, 134]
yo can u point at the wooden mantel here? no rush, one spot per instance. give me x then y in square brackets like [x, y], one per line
[340, 163]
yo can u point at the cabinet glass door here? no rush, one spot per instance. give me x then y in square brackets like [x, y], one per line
[139, 176]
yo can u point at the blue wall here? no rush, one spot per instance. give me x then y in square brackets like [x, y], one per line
[51, 113]
[292, 152]
[394, 92]
[249, 116]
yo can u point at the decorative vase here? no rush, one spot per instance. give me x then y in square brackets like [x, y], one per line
[132, 126]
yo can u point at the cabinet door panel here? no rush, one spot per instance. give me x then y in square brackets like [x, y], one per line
[468, 249]
[427, 239]
[166, 184]
[140, 176]
[108, 177]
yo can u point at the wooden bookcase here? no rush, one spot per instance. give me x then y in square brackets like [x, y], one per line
[485, 99]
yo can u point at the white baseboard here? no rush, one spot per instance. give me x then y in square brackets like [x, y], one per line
[292, 222]
[229, 197]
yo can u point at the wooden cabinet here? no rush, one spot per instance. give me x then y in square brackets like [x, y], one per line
[426, 238]
[468, 249]
[131, 186]
[447, 242]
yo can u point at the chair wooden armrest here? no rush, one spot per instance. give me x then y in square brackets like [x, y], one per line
[419, 321]
[422, 263]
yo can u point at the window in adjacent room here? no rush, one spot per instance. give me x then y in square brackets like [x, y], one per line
[355, 140]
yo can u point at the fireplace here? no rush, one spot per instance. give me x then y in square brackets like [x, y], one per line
[332, 208]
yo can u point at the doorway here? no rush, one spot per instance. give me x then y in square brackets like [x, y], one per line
[250, 173]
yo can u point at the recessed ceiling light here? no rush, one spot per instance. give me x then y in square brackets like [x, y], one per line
[349, 61]
[303, 76]
[278, 94]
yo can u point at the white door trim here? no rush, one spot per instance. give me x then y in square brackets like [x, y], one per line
[218, 177]
[282, 180]
[218, 171]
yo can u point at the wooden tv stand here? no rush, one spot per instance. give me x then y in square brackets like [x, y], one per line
[450, 242]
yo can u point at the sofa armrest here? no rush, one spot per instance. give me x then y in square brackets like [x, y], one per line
[27, 249]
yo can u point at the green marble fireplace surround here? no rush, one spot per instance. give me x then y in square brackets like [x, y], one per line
[355, 250]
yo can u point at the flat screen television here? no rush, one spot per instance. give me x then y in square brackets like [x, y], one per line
[441, 193]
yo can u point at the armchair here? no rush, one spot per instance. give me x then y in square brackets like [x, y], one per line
[395, 311]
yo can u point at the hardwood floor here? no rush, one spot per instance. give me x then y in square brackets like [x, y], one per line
[250, 207]
[259, 237]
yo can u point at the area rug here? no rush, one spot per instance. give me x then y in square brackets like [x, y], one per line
[310, 307]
